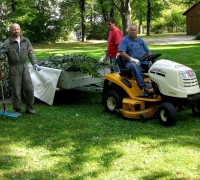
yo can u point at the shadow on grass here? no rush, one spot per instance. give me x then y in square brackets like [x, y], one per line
[76, 139]
[70, 97]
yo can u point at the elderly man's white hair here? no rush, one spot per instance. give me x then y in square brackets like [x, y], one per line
[129, 26]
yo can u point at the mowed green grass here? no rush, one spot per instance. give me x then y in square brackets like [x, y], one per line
[77, 139]
[187, 54]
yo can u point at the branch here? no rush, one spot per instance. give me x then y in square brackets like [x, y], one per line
[115, 4]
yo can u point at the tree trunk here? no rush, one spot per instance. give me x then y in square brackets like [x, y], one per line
[112, 10]
[83, 28]
[140, 27]
[148, 17]
[13, 5]
[125, 11]
[103, 11]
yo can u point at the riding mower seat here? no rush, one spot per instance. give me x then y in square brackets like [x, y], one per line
[127, 72]
[123, 71]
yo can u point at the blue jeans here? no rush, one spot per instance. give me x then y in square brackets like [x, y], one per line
[137, 72]
[114, 66]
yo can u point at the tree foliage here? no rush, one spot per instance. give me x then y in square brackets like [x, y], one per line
[184, 2]
[39, 20]
[53, 20]
[124, 9]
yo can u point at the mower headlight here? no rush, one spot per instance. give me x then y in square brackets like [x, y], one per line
[187, 74]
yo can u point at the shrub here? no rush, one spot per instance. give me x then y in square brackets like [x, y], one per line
[5, 80]
[197, 37]
[76, 63]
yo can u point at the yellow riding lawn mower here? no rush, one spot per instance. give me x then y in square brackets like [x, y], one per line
[174, 87]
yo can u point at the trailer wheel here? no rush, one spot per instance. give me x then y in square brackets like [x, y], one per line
[113, 101]
[196, 111]
[167, 114]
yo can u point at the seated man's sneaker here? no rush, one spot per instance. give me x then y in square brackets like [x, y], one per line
[145, 93]
[30, 111]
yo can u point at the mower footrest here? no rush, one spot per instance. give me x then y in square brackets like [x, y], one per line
[150, 112]
[133, 105]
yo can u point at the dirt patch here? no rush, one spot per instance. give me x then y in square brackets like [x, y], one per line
[178, 39]
[182, 39]
[6, 101]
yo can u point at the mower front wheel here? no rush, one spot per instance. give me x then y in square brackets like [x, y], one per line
[113, 101]
[167, 114]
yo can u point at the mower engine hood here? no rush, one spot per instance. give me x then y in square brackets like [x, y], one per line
[174, 79]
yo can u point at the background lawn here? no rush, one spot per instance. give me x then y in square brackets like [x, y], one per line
[77, 139]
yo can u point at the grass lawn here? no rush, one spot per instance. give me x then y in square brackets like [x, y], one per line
[77, 139]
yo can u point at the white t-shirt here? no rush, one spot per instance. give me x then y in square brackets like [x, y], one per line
[19, 45]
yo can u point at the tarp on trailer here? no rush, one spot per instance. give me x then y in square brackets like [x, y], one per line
[45, 83]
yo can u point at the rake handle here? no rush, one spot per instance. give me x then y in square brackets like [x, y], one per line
[4, 105]
[0, 74]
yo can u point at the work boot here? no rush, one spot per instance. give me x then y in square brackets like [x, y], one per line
[145, 93]
[30, 111]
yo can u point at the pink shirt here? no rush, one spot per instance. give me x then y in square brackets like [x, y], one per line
[114, 39]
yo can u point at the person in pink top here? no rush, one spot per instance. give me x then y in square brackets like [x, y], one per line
[114, 39]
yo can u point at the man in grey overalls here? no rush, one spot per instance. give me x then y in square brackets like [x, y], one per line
[16, 49]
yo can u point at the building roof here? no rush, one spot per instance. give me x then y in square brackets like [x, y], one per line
[190, 8]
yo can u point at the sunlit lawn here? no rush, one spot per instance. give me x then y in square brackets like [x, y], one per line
[187, 54]
[95, 50]
[77, 139]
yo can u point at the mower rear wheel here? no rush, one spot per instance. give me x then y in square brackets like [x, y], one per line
[113, 101]
[167, 114]
[196, 111]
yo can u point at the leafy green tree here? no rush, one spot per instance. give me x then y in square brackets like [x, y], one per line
[4, 19]
[38, 19]
[139, 13]
[82, 9]
[52, 20]
[101, 11]
[171, 20]
[154, 11]
[145, 11]
[107, 9]
[124, 8]
[80, 13]
[184, 2]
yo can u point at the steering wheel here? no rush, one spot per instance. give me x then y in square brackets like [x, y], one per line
[152, 57]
